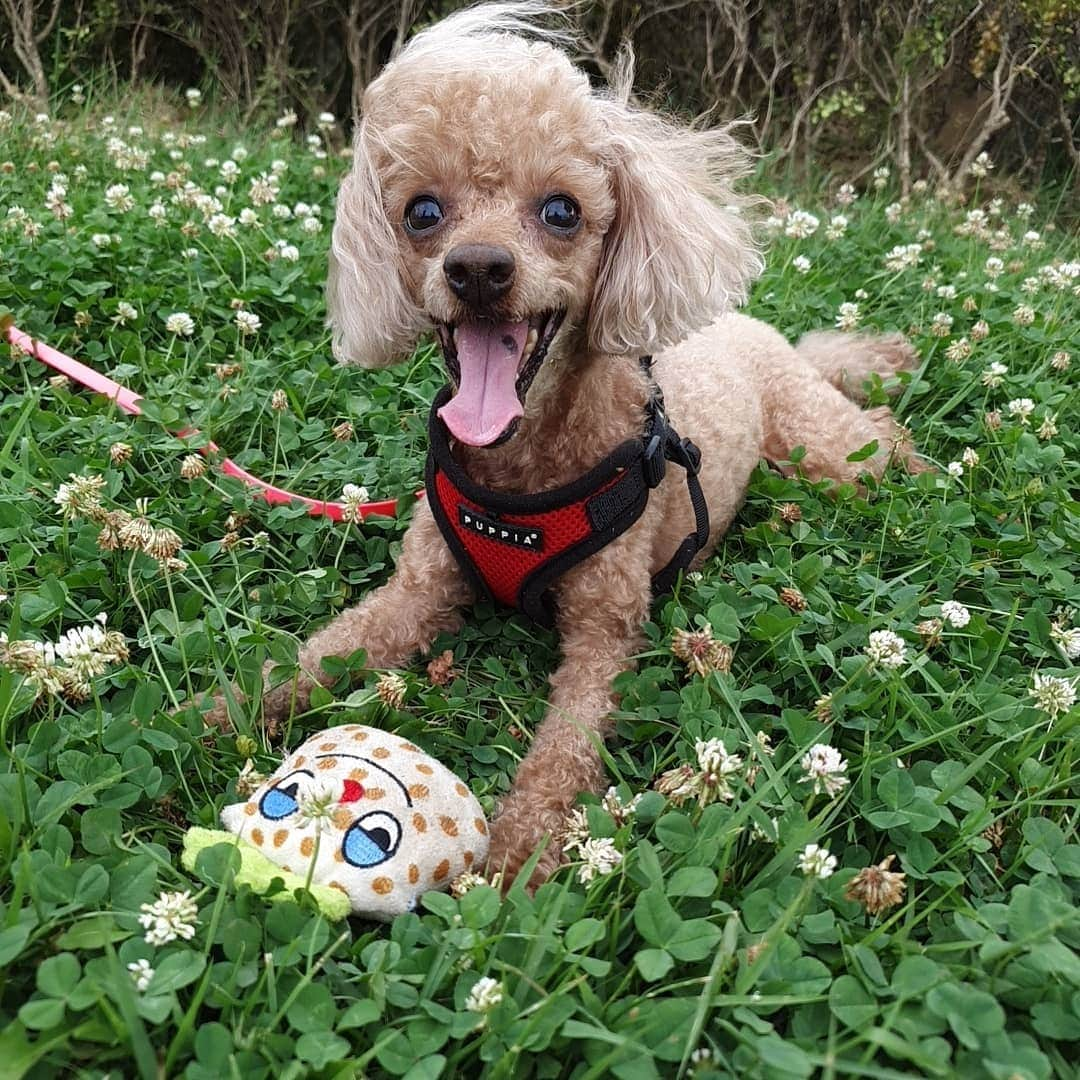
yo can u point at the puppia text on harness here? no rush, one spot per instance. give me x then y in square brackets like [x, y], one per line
[514, 547]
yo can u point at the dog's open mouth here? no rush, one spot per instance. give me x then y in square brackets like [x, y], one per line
[493, 365]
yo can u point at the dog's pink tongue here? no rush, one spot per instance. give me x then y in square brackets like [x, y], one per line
[486, 402]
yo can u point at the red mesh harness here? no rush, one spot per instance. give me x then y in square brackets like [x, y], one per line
[514, 547]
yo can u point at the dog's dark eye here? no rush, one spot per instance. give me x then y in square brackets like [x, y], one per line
[423, 213]
[560, 212]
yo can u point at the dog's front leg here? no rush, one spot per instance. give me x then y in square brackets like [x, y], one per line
[602, 605]
[423, 598]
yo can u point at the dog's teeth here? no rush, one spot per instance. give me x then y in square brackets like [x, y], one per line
[530, 341]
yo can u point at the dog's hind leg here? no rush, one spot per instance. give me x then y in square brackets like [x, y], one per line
[846, 361]
[809, 403]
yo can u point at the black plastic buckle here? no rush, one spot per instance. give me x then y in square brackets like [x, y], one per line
[653, 462]
[683, 452]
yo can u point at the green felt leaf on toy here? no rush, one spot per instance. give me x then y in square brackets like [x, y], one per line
[259, 872]
[367, 814]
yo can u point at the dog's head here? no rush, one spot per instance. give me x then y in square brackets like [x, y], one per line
[526, 216]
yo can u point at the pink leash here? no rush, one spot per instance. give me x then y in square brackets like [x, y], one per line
[129, 402]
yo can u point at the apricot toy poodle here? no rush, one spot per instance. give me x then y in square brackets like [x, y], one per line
[553, 235]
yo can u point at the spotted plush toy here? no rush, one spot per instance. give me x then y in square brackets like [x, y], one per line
[365, 817]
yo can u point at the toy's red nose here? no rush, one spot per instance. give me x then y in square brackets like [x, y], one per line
[352, 793]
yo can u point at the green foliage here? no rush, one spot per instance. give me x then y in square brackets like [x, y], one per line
[704, 948]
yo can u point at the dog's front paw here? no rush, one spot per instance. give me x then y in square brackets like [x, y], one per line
[516, 834]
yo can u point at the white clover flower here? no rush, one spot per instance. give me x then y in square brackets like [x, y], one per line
[80, 496]
[847, 317]
[598, 857]
[825, 767]
[1024, 210]
[970, 457]
[621, 812]
[248, 218]
[125, 312]
[994, 374]
[994, 267]
[157, 213]
[311, 225]
[141, 974]
[229, 171]
[222, 226]
[325, 121]
[1060, 361]
[288, 252]
[173, 915]
[1048, 428]
[845, 196]
[180, 323]
[955, 469]
[193, 95]
[981, 165]
[247, 322]
[1066, 639]
[316, 806]
[1021, 409]
[958, 350]
[485, 994]
[800, 224]
[801, 264]
[1053, 695]
[286, 120]
[353, 497]
[1024, 315]
[1033, 240]
[893, 212]
[101, 240]
[189, 253]
[718, 766]
[815, 861]
[836, 228]
[941, 324]
[79, 648]
[886, 648]
[118, 197]
[903, 256]
[946, 292]
[281, 211]
[955, 614]
[263, 190]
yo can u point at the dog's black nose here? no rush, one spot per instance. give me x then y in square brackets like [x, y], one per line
[479, 273]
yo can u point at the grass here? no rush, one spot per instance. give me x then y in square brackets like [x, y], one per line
[704, 950]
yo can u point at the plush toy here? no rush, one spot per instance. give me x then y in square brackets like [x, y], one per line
[366, 817]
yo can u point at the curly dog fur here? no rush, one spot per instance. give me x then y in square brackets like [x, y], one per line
[486, 113]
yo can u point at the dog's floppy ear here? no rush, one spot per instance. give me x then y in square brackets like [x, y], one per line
[374, 321]
[679, 251]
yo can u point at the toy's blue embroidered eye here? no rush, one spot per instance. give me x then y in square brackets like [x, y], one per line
[280, 801]
[371, 840]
